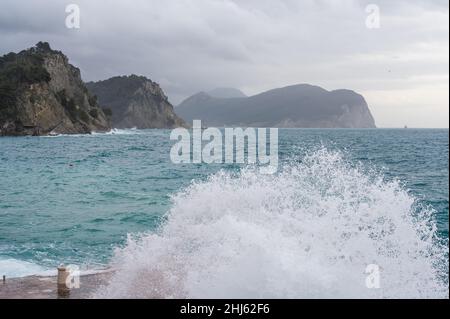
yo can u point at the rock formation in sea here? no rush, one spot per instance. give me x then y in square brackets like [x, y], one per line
[135, 101]
[42, 93]
[300, 105]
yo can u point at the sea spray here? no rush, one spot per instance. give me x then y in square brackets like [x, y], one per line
[308, 232]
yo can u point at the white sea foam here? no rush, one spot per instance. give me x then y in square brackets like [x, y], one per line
[114, 131]
[117, 131]
[308, 232]
[14, 268]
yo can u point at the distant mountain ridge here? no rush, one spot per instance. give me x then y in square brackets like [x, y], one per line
[301, 105]
[224, 93]
[135, 101]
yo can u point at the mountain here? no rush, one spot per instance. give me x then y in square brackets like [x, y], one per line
[135, 101]
[226, 93]
[301, 105]
[42, 93]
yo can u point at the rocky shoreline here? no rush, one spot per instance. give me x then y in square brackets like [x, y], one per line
[41, 93]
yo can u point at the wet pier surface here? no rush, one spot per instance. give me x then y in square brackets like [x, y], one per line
[37, 287]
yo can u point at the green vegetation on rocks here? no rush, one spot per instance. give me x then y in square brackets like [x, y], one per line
[42, 93]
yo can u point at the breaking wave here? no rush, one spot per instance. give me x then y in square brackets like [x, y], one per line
[14, 268]
[117, 131]
[308, 232]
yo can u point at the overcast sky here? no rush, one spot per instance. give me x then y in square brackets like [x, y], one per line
[192, 45]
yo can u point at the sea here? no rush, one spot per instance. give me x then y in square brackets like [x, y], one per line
[350, 213]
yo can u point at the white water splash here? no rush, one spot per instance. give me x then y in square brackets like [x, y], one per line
[117, 131]
[113, 131]
[308, 232]
[14, 268]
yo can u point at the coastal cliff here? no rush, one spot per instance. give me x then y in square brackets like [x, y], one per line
[42, 93]
[135, 101]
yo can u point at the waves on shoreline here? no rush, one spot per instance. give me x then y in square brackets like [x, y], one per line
[14, 268]
[113, 131]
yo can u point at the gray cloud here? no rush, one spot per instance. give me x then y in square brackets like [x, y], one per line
[193, 45]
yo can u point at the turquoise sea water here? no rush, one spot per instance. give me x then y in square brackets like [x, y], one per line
[74, 199]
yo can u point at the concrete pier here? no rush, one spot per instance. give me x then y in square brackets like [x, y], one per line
[38, 287]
